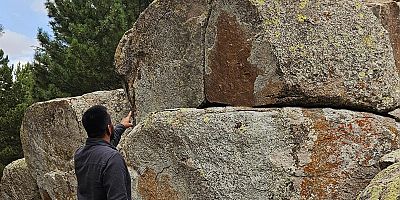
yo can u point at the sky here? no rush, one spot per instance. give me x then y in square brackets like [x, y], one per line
[21, 20]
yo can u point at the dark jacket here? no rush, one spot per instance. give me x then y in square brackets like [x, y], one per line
[101, 171]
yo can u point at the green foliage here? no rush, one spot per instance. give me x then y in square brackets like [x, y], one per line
[16, 87]
[79, 57]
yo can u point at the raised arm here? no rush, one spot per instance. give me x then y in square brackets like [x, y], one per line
[120, 128]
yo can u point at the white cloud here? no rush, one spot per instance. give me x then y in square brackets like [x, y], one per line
[18, 47]
[38, 6]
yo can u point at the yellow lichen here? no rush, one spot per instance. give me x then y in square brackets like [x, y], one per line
[375, 192]
[301, 18]
[206, 119]
[361, 75]
[277, 34]
[242, 128]
[358, 5]
[392, 191]
[202, 173]
[272, 21]
[383, 188]
[258, 2]
[175, 121]
[387, 100]
[303, 4]
[369, 41]
[297, 47]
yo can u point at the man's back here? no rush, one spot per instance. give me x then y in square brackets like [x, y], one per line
[101, 172]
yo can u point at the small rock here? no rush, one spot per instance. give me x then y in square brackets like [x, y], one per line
[389, 159]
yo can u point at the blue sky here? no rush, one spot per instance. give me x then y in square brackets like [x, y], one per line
[21, 20]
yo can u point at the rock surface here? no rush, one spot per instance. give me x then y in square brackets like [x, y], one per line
[60, 185]
[260, 53]
[389, 159]
[389, 13]
[243, 153]
[52, 131]
[162, 57]
[384, 186]
[18, 183]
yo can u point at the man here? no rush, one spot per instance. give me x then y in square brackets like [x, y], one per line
[100, 169]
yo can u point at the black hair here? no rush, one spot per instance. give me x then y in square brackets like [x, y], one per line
[95, 120]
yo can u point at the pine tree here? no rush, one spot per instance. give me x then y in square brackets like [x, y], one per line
[1, 29]
[79, 57]
[15, 97]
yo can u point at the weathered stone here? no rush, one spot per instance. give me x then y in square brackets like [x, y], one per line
[18, 183]
[162, 57]
[384, 186]
[60, 185]
[244, 153]
[52, 131]
[389, 159]
[389, 13]
[261, 53]
[329, 53]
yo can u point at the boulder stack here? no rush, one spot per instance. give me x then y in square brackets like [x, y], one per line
[308, 95]
[261, 53]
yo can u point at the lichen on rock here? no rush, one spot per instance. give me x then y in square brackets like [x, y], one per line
[384, 186]
[261, 53]
[18, 183]
[248, 153]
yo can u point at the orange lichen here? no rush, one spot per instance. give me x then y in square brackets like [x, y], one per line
[395, 131]
[152, 188]
[325, 174]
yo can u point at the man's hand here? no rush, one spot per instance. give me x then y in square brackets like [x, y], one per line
[126, 121]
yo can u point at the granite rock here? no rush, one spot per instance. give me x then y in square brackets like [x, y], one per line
[389, 159]
[248, 153]
[51, 132]
[18, 183]
[384, 186]
[260, 53]
[162, 57]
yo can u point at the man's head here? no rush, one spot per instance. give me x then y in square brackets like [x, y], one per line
[97, 121]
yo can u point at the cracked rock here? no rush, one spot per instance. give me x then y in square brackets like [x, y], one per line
[196, 53]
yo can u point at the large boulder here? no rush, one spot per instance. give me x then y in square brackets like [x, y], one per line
[259, 53]
[249, 153]
[18, 183]
[162, 57]
[384, 186]
[52, 131]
